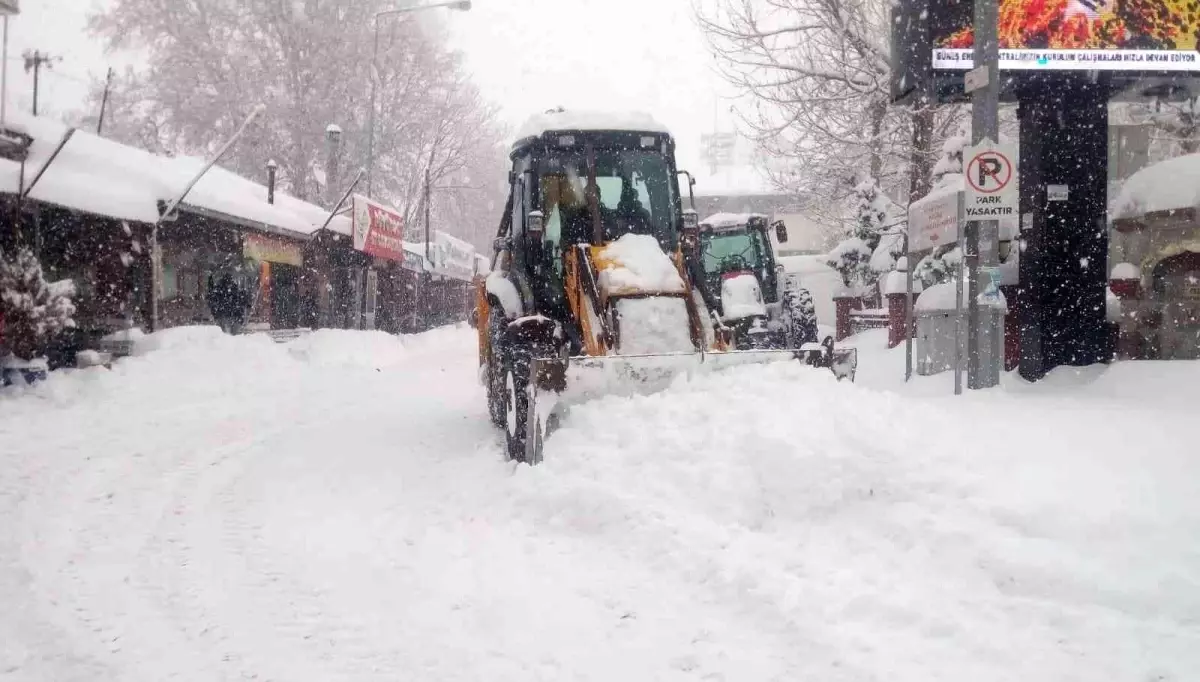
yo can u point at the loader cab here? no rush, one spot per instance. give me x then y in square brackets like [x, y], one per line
[573, 186]
[738, 243]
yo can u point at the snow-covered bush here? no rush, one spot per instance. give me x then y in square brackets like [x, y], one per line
[939, 266]
[852, 260]
[34, 310]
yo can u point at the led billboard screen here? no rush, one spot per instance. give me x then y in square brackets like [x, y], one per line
[1100, 35]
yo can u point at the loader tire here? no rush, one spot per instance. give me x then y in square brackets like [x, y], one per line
[495, 369]
[516, 404]
[801, 315]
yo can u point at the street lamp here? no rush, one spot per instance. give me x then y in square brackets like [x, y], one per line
[459, 5]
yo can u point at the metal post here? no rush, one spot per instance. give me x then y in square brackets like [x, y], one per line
[333, 153]
[371, 125]
[37, 70]
[908, 310]
[4, 79]
[104, 102]
[460, 5]
[428, 195]
[982, 244]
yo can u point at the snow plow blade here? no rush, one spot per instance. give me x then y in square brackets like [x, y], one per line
[558, 385]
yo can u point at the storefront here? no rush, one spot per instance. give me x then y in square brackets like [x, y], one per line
[279, 262]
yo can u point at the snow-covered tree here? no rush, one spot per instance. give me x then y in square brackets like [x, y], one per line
[33, 309]
[208, 62]
[851, 258]
[949, 167]
[818, 74]
[871, 210]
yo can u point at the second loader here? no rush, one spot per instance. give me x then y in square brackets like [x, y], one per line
[591, 290]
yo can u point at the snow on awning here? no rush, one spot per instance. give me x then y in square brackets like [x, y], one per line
[1168, 185]
[102, 177]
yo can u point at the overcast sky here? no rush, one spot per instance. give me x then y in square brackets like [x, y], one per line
[526, 56]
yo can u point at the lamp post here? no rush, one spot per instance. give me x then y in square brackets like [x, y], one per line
[460, 5]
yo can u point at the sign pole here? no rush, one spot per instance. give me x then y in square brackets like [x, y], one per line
[982, 244]
[908, 308]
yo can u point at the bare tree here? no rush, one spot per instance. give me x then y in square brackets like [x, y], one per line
[310, 62]
[818, 74]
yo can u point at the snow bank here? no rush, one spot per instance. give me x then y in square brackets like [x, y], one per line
[232, 513]
[344, 348]
[1027, 554]
[1163, 186]
[657, 324]
[635, 263]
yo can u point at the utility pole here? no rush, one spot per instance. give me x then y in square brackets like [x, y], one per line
[33, 62]
[104, 102]
[983, 237]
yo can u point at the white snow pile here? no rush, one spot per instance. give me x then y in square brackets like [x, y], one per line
[637, 264]
[741, 297]
[217, 510]
[656, 324]
[1163, 186]
[858, 547]
[1112, 306]
[896, 282]
[343, 348]
[941, 297]
[1125, 271]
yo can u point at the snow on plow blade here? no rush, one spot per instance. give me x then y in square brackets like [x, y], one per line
[588, 378]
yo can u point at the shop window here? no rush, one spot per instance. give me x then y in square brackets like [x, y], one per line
[170, 282]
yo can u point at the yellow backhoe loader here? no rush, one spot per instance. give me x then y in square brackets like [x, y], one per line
[593, 286]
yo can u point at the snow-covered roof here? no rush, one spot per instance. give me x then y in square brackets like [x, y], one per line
[1163, 186]
[99, 176]
[632, 121]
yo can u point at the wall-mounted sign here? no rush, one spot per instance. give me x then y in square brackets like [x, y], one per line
[1057, 192]
[1147, 36]
[933, 221]
[378, 230]
[268, 249]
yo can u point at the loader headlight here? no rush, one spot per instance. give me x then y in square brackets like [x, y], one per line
[536, 225]
[691, 220]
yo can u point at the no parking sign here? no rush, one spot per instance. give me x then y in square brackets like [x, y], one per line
[992, 185]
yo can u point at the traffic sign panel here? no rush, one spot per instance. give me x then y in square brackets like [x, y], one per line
[992, 187]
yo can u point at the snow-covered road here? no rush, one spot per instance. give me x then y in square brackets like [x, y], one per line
[337, 509]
